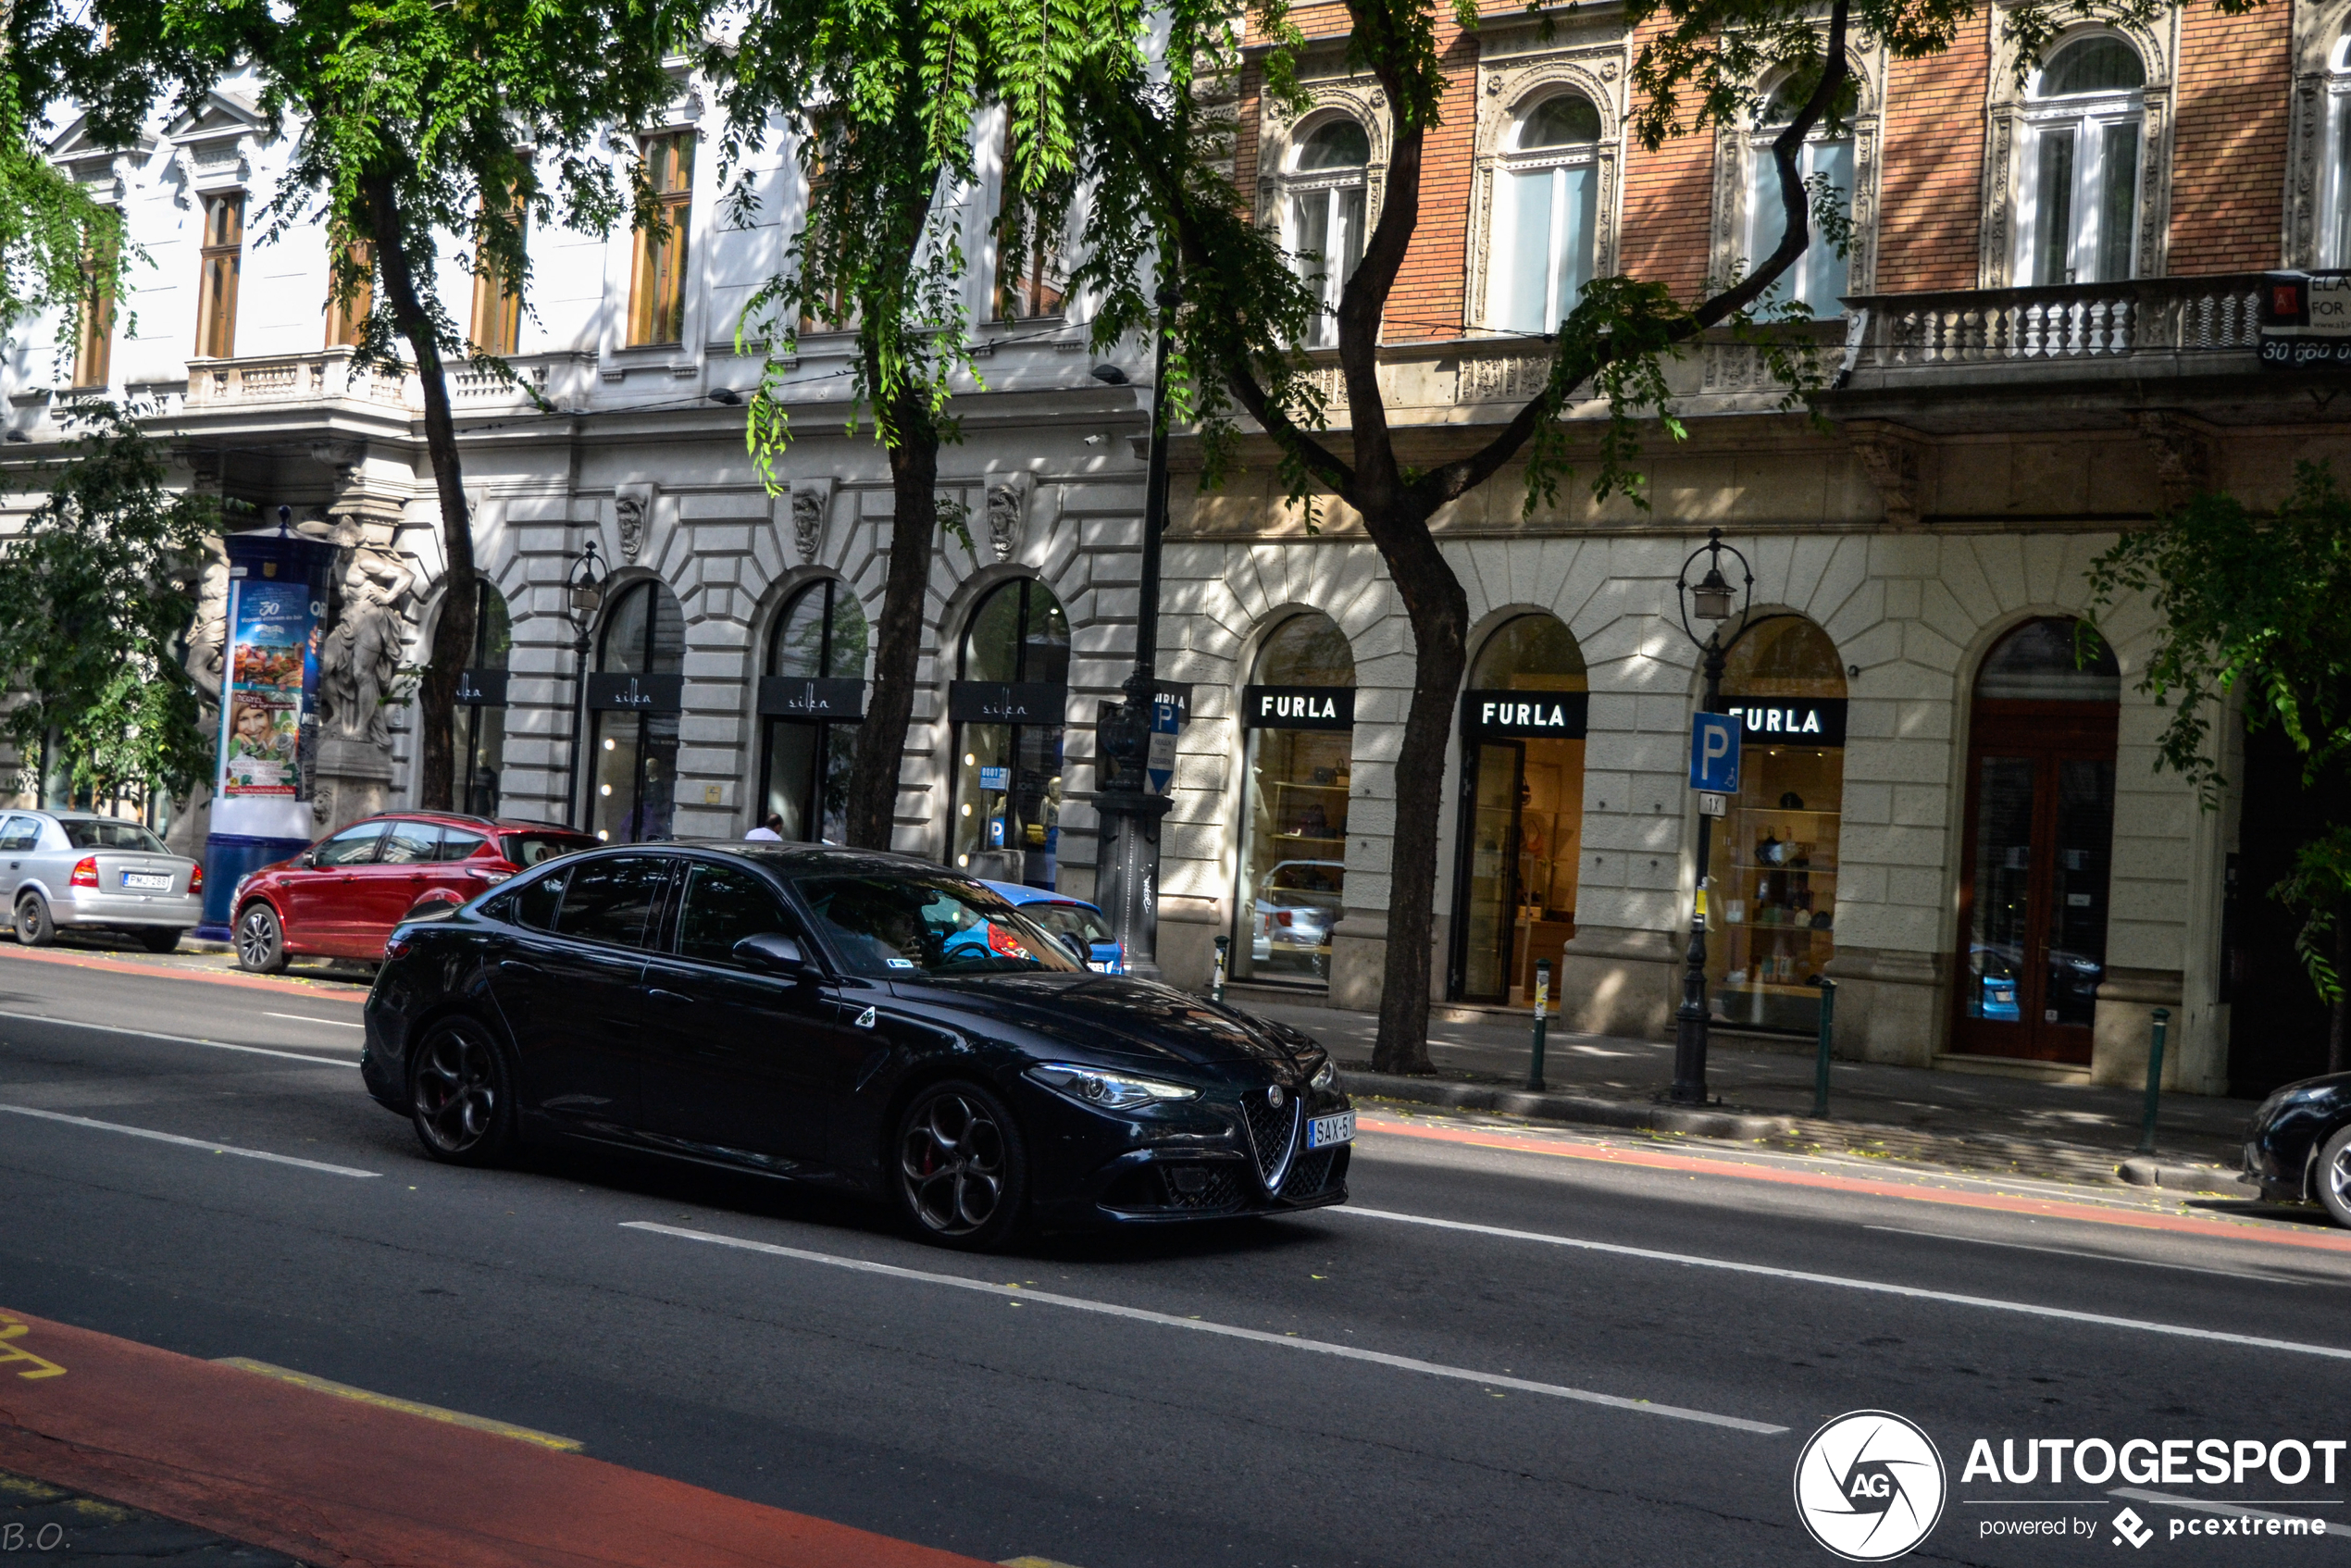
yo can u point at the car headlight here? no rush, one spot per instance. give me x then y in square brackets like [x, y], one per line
[1098, 1090]
[1326, 1074]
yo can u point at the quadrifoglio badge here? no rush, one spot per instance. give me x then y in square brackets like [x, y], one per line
[1870, 1485]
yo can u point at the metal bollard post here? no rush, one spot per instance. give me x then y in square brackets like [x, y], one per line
[1821, 1069]
[1542, 1021]
[2155, 1079]
[1216, 984]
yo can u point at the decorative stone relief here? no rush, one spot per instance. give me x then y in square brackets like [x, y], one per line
[1360, 100]
[361, 656]
[2182, 446]
[1494, 378]
[807, 524]
[1897, 460]
[632, 511]
[1008, 514]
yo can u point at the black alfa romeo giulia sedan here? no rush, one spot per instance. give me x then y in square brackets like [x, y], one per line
[862, 1020]
[2299, 1145]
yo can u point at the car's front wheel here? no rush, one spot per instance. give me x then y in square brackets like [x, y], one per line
[261, 941]
[962, 1167]
[459, 1095]
[2332, 1178]
[34, 926]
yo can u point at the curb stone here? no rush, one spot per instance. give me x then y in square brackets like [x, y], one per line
[2144, 1170]
[1727, 1123]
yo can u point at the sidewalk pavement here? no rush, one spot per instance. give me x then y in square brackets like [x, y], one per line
[1962, 1121]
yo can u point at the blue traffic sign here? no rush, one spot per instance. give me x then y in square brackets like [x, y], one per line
[1158, 767]
[1714, 753]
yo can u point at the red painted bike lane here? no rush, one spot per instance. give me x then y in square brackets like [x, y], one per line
[336, 1481]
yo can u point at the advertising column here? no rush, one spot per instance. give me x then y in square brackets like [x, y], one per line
[268, 738]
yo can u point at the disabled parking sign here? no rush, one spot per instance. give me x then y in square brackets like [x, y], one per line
[1714, 753]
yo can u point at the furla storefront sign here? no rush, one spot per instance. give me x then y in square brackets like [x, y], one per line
[1523, 716]
[1798, 721]
[1298, 707]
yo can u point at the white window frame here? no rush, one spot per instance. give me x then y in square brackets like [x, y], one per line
[1799, 283]
[1329, 186]
[2333, 237]
[1512, 163]
[2092, 117]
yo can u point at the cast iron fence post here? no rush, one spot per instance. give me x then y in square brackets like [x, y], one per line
[2155, 1079]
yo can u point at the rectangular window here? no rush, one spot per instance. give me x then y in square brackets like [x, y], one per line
[2053, 190]
[657, 293]
[2118, 200]
[2335, 232]
[1327, 235]
[1550, 253]
[1818, 279]
[1030, 280]
[93, 345]
[497, 323]
[223, 259]
[347, 319]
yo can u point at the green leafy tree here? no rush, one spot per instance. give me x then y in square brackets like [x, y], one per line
[413, 121]
[880, 110]
[96, 595]
[59, 250]
[2240, 598]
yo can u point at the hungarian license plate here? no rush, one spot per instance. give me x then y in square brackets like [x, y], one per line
[1322, 1132]
[147, 881]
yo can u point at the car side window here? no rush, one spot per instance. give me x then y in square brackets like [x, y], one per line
[353, 846]
[411, 843]
[20, 835]
[614, 901]
[533, 903]
[724, 904]
[457, 844]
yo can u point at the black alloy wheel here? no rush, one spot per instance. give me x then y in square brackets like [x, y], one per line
[963, 1167]
[261, 942]
[2330, 1179]
[34, 928]
[457, 1095]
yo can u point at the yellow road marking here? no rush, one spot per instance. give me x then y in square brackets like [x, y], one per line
[11, 1329]
[386, 1402]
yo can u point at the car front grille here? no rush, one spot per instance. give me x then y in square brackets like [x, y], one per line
[1155, 1190]
[1271, 1133]
[1311, 1175]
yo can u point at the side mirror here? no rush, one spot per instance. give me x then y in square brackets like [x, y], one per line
[776, 953]
[307, 858]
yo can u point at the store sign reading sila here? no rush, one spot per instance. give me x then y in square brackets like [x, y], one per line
[1298, 707]
[1523, 716]
[1801, 721]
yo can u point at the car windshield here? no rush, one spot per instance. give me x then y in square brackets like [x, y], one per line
[529, 849]
[106, 833]
[1072, 920]
[909, 926]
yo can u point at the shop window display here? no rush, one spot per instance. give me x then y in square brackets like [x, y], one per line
[479, 731]
[634, 779]
[1301, 716]
[1774, 859]
[820, 636]
[1008, 706]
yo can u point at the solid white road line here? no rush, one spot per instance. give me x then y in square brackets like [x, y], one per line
[1841, 1282]
[2076, 1252]
[1166, 1320]
[183, 1039]
[306, 1018]
[2202, 1505]
[205, 1144]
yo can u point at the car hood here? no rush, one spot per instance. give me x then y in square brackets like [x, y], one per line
[1116, 1013]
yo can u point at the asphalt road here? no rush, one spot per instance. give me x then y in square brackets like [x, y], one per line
[1720, 1309]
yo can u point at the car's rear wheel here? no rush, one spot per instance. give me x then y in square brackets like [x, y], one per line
[34, 926]
[261, 941]
[159, 941]
[459, 1095]
[2333, 1176]
[962, 1167]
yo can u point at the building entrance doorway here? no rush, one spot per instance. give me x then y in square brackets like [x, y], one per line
[2040, 836]
[1522, 720]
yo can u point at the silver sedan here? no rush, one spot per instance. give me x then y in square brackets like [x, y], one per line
[62, 870]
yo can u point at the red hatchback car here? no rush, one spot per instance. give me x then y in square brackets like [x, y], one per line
[341, 897]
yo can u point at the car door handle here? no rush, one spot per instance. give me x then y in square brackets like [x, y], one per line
[657, 994]
[518, 966]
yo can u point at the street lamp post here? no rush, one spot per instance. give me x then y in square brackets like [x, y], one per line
[583, 596]
[1126, 856]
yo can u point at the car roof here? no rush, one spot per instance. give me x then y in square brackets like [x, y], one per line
[796, 859]
[465, 819]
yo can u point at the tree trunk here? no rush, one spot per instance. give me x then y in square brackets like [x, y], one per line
[1440, 614]
[898, 645]
[452, 636]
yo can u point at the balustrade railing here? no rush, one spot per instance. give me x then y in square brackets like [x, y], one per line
[2070, 322]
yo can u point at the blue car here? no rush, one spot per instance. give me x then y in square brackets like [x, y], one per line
[1069, 918]
[1997, 1001]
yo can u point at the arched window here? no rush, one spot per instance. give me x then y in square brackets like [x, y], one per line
[478, 722]
[2040, 840]
[2334, 219]
[1818, 279]
[1546, 208]
[1300, 715]
[806, 759]
[1324, 213]
[1015, 675]
[1521, 808]
[636, 746]
[1774, 863]
[2080, 214]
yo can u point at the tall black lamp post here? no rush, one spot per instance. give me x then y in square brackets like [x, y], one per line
[1126, 856]
[583, 596]
[1711, 601]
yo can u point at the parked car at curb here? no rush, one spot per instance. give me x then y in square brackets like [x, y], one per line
[341, 897]
[74, 870]
[1073, 920]
[867, 1022]
[2298, 1147]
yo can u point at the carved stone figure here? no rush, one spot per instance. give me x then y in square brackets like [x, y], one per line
[629, 512]
[1007, 507]
[362, 653]
[807, 522]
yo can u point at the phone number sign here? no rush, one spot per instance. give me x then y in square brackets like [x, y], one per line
[2305, 319]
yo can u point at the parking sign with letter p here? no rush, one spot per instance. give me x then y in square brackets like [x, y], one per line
[1714, 753]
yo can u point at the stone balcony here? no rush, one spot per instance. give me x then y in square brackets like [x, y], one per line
[320, 376]
[2146, 327]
